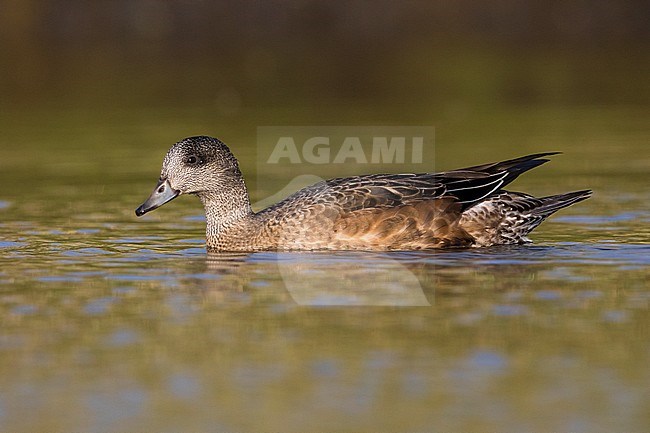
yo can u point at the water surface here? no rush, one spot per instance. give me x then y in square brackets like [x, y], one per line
[112, 323]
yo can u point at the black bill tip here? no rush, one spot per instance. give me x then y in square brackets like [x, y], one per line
[162, 194]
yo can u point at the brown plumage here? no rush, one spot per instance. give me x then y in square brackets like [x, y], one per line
[458, 208]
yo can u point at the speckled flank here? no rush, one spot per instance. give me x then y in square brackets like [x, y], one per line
[459, 208]
[508, 217]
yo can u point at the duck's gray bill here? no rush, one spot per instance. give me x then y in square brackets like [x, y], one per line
[160, 195]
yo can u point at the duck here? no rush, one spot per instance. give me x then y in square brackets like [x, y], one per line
[461, 208]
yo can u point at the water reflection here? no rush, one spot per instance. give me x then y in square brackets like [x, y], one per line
[412, 278]
[321, 279]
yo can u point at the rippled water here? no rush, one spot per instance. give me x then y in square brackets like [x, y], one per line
[112, 323]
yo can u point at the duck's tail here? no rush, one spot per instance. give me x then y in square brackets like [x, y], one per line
[508, 217]
[553, 203]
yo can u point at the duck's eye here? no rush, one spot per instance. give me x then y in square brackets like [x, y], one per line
[193, 160]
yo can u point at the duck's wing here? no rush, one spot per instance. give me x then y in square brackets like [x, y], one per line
[379, 191]
[473, 184]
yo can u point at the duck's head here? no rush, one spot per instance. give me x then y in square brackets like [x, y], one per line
[196, 165]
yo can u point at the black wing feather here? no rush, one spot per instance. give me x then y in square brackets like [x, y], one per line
[469, 185]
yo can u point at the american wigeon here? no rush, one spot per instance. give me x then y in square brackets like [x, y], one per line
[458, 208]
